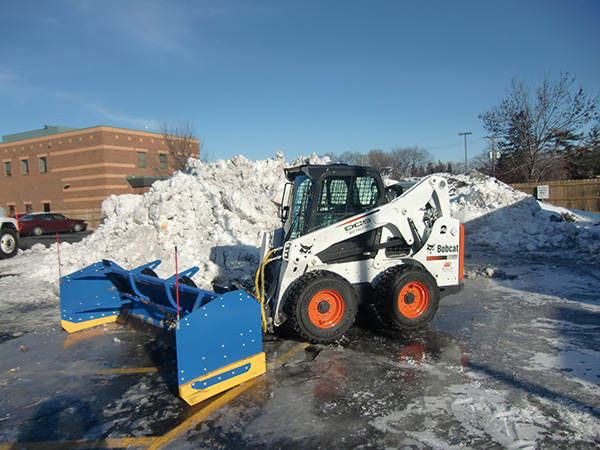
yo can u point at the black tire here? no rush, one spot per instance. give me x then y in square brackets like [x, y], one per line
[321, 306]
[9, 243]
[406, 297]
[77, 228]
[37, 231]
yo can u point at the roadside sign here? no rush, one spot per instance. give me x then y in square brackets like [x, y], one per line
[543, 192]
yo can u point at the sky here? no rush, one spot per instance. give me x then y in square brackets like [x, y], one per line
[301, 77]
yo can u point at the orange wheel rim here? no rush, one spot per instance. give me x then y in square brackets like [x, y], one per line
[413, 300]
[326, 308]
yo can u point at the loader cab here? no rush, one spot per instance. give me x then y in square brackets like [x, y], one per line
[320, 195]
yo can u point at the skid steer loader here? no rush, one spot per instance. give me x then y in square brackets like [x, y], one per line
[349, 240]
[346, 240]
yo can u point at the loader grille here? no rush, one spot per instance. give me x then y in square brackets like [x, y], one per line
[397, 249]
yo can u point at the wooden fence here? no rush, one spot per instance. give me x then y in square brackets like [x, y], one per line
[573, 194]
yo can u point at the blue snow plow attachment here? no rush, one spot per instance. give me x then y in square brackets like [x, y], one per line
[218, 337]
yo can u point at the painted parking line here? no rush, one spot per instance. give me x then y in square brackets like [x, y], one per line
[141, 443]
[116, 371]
[287, 355]
[213, 405]
[154, 443]
[73, 338]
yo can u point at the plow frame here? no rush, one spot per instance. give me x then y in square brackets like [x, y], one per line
[218, 337]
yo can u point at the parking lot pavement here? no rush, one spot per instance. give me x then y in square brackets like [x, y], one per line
[512, 361]
[110, 384]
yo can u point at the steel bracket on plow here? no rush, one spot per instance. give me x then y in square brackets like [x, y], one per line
[218, 338]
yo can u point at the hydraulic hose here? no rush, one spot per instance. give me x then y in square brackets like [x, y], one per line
[259, 286]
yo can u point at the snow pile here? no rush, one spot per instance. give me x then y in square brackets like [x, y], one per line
[501, 218]
[215, 214]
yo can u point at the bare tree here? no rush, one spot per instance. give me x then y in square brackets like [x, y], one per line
[482, 162]
[398, 163]
[538, 129]
[382, 161]
[353, 158]
[182, 143]
[411, 161]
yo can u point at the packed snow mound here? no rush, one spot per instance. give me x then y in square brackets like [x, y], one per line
[215, 214]
[509, 221]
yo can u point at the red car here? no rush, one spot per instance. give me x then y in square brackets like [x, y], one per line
[40, 223]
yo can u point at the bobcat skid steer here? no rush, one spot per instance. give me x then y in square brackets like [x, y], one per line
[348, 240]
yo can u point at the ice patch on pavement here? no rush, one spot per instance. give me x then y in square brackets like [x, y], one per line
[487, 414]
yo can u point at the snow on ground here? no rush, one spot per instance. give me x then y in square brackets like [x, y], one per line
[215, 213]
[501, 218]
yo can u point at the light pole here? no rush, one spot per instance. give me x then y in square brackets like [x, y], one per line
[466, 161]
[493, 154]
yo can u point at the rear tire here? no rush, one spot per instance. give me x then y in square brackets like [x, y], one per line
[8, 243]
[407, 297]
[321, 306]
[37, 231]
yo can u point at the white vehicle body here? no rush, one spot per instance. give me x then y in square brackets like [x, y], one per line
[9, 235]
[414, 229]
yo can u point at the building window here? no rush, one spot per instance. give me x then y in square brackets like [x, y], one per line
[46, 207]
[43, 165]
[164, 162]
[12, 210]
[28, 208]
[24, 167]
[7, 169]
[141, 160]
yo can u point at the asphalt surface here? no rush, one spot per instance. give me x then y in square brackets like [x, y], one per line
[469, 380]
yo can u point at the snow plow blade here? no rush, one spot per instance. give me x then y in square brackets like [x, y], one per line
[218, 337]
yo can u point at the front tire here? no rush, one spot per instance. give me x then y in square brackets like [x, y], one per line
[321, 306]
[407, 297]
[8, 243]
[77, 228]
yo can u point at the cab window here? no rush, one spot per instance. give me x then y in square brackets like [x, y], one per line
[343, 197]
[300, 207]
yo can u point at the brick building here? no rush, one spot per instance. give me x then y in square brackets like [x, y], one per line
[72, 171]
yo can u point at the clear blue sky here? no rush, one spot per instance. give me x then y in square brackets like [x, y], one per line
[256, 77]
